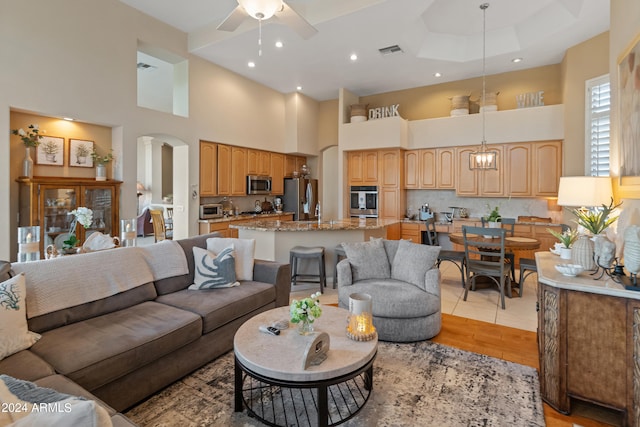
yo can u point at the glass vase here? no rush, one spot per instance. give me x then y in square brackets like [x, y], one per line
[27, 163]
[305, 327]
[101, 172]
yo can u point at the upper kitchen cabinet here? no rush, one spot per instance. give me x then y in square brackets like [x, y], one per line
[518, 175]
[293, 164]
[430, 169]
[208, 169]
[238, 171]
[224, 170]
[258, 162]
[547, 168]
[467, 179]
[412, 169]
[362, 167]
[446, 168]
[277, 173]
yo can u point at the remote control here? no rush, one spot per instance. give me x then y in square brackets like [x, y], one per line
[269, 330]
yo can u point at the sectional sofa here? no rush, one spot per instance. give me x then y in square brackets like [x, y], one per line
[119, 325]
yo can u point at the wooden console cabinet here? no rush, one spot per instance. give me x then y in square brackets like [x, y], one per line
[588, 341]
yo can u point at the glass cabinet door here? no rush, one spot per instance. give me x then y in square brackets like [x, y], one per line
[57, 204]
[100, 201]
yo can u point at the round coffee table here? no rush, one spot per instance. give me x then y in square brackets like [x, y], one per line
[271, 382]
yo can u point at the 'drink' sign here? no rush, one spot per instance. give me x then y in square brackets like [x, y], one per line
[381, 112]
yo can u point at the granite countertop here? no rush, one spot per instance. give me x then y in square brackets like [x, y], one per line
[344, 224]
[243, 217]
[537, 223]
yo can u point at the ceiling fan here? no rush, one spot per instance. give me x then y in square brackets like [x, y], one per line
[266, 9]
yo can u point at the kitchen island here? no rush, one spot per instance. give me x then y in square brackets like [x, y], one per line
[274, 239]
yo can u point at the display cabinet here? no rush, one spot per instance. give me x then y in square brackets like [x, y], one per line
[48, 202]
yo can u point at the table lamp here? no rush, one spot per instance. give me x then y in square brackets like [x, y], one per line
[585, 191]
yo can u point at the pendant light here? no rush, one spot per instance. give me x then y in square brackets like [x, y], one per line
[483, 158]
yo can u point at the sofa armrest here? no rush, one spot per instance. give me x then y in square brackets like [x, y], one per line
[277, 274]
[343, 273]
[432, 281]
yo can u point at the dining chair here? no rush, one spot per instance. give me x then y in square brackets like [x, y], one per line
[455, 257]
[486, 259]
[159, 229]
[509, 225]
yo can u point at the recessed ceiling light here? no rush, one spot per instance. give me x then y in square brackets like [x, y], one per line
[353, 57]
[437, 75]
[70, 119]
[251, 64]
[298, 88]
[516, 60]
[279, 44]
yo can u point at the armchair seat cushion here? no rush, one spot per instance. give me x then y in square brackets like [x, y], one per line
[393, 298]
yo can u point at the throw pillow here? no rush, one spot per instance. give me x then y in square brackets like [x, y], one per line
[30, 405]
[244, 253]
[14, 333]
[412, 261]
[213, 271]
[368, 260]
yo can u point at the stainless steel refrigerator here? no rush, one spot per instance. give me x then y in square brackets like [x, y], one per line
[301, 197]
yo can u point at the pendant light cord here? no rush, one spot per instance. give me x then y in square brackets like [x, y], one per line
[484, 7]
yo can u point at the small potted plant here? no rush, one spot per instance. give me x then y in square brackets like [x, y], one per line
[494, 218]
[595, 221]
[101, 161]
[566, 239]
[304, 312]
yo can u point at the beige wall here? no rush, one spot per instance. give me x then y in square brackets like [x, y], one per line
[327, 124]
[626, 16]
[582, 62]
[433, 101]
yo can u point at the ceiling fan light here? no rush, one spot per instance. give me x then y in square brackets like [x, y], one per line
[261, 9]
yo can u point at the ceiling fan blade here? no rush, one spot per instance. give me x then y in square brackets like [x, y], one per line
[295, 21]
[233, 21]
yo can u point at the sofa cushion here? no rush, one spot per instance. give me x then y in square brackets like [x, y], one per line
[218, 307]
[412, 261]
[26, 365]
[99, 350]
[393, 298]
[60, 408]
[178, 283]
[14, 333]
[368, 260]
[244, 251]
[214, 270]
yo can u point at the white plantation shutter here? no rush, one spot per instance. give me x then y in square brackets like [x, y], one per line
[598, 113]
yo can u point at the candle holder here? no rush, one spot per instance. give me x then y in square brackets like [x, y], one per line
[360, 324]
[28, 243]
[128, 232]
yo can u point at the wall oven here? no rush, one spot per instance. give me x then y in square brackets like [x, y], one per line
[363, 201]
[258, 184]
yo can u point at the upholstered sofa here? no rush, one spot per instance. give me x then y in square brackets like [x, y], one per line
[132, 326]
[403, 282]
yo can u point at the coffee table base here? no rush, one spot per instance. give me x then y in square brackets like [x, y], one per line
[284, 403]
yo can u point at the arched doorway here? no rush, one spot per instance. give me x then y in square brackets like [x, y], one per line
[153, 171]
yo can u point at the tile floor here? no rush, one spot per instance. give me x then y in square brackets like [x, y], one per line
[482, 304]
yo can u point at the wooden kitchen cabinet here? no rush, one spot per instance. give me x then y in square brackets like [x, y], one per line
[492, 180]
[412, 231]
[391, 202]
[362, 167]
[428, 169]
[258, 162]
[467, 179]
[277, 174]
[48, 201]
[547, 168]
[238, 171]
[518, 164]
[412, 169]
[391, 166]
[224, 170]
[446, 168]
[208, 169]
[293, 164]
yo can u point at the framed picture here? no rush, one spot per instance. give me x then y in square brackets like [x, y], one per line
[50, 151]
[80, 153]
[629, 108]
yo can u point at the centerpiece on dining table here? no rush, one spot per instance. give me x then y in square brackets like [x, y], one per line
[304, 312]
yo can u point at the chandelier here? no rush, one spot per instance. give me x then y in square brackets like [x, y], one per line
[483, 158]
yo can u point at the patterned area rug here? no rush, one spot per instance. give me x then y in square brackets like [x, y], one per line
[418, 384]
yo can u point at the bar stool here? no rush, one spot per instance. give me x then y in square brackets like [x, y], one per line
[313, 253]
[340, 255]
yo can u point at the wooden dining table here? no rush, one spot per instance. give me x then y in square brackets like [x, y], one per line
[514, 243]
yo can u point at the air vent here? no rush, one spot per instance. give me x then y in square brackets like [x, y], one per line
[146, 67]
[390, 50]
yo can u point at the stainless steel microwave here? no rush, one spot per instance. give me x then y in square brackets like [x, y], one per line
[258, 184]
[210, 211]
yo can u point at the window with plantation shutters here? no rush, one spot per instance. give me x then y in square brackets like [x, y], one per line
[598, 113]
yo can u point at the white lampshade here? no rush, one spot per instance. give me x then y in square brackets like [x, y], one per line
[585, 191]
[261, 9]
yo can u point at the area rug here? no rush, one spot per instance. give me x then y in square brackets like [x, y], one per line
[418, 384]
